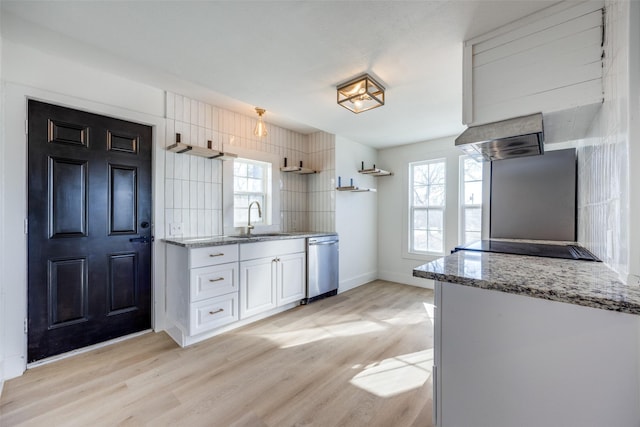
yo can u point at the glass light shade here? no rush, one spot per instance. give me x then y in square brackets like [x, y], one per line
[261, 128]
[361, 94]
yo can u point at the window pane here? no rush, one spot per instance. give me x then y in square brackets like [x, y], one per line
[240, 184]
[420, 240]
[427, 191]
[239, 168]
[436, 195]
[472, 170]
[434, 241]
[436, 173]
[420, 219]
[420, 196]
[473, 219]
[254, 185]
[421, 175]
[473, 193]
[436, 219]
[255, 171]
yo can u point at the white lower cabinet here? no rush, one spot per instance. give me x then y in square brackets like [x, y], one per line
[202, 289]
[274, 280]
[212, 287]
[291, 274]
[257, 284]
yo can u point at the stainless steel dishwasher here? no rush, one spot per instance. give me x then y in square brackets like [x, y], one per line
[322, 267]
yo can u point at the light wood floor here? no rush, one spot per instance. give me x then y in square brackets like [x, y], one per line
[362, 358]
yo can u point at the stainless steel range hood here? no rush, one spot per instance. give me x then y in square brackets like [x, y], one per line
[518, 137]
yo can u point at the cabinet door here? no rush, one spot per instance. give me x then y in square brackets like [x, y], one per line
[291, 278]
[257, 286]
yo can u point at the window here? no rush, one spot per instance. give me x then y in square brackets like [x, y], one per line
[426, 206]
[251, 182]
[470, 199]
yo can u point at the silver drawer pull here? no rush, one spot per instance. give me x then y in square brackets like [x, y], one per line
[220, 310]
[216, 280]
[215, 255]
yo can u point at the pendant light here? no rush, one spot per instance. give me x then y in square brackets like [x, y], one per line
[261, 127]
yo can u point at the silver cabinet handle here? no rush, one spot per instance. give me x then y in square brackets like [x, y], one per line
[216, 280]
[220, 310]
[215, 255]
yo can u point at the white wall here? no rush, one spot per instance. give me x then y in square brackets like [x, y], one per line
[394, 261]
[78, 85]
[65, 83]
[194, 186]
[356, 215]
[2, 237]
[607, 199]
[633, 18]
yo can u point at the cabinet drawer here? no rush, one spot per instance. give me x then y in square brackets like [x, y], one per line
[207, 282]
[212, 255]
[271, 248]
[213, 313]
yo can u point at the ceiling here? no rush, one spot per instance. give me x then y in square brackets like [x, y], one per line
[284, 56]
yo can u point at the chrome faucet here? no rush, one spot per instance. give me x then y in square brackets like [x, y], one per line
[249, 226]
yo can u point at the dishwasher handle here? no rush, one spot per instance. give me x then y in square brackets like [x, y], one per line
[331, 242]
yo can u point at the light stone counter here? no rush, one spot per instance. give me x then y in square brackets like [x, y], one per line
[590, 284]
[201, 242]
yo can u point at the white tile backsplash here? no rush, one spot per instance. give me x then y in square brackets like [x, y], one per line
[193, 193]
[603, 172]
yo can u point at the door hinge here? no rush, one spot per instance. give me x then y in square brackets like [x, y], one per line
[26, 127]
[26, 226]
[26, 325]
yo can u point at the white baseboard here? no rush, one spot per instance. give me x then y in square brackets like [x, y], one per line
[406, 279]
[354, 282]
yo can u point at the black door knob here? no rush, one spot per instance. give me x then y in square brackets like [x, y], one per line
[144, 224]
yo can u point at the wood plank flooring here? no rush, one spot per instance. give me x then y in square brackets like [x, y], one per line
[361, 358]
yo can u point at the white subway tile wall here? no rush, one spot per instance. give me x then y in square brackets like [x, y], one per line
[602, 158]
[193, 185]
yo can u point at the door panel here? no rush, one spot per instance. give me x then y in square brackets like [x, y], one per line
[67, 291]
[123, 199]
[67, 133]
[68, 196]
[123, 282]
[89, 192]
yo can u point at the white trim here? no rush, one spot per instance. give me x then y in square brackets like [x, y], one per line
[354, 282]
[14, 179]
[411, 209]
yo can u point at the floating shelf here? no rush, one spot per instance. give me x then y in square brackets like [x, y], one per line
[375, 172]
[355, 189]
[194, 150]
[298, 170]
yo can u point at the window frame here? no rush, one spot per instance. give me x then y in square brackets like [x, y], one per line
[462, 206]
[265, 195]
[410, 230]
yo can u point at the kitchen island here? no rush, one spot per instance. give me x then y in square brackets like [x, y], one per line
[530, 341]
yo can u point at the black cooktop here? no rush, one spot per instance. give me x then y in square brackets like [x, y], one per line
[531, 249]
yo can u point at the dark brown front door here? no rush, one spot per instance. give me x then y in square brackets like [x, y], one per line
[89, 229]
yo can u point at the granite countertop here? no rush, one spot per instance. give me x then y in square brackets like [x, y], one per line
[201, 242]
[590, 284]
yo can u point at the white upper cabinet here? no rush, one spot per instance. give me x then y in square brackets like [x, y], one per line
[547, 62]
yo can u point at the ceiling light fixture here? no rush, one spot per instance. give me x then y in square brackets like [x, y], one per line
[261, 128]
[361, 94]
